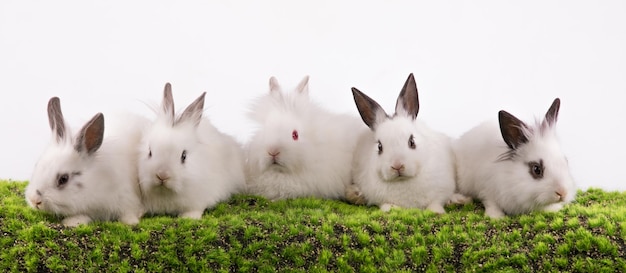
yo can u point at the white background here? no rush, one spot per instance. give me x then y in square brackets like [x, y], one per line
[470, 59]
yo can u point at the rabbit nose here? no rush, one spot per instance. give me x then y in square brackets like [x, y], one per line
[36, 201]
[273, 153]
[560, 194]
[162, 175]
[398, 166]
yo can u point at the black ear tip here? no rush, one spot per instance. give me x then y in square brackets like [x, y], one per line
[355, 91]
[410, 81]
[54, 104]
[557, 102]
[54, 101]
[201, 100]
[503, 114]
[167, 90]
[99, 117]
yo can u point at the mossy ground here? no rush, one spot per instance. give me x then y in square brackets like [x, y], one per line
[250, 234]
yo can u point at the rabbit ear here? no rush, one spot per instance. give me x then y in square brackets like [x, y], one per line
[274, 86]
[513, 130]
[371, 112]
[193, 112]
[408, 102]
[275, 90]
[90, 136]
[303, 86]
[168, 101]
[552, 114]
[55, 118]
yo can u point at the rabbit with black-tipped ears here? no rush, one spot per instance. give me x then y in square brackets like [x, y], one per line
[400, 162]
[299, 149]
[514, 167]
[91, 175]
[186, 165]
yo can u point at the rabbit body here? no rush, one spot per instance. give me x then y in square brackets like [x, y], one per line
[90, 175]
[300, 149]
[186, 164]
[523, 172]
[401, 161]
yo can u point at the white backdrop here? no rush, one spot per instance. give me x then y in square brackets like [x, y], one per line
[470, 59]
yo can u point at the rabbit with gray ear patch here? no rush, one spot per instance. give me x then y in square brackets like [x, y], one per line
[514, 167]
[401, 162]
[90, 175]
[186, 165]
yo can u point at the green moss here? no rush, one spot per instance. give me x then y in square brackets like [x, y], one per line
[250, 234]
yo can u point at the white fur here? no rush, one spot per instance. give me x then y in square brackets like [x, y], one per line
[401, 162]
[428, 180]
[317, 164]
[506, 186]
[212, 172]
[103, 186]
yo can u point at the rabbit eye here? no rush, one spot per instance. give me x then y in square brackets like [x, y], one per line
[183, 157]
[380, 147]
[62, 179]
[412, 142]
[149, 153]
[536, 169]
[294, 135]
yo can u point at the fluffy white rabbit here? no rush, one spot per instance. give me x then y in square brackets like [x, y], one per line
[90, 175]
[300, 149]
[514, 167]
[186, 165]
[400, 161]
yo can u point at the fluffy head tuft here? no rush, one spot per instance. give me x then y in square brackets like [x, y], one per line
[299, 149]
[285, 135]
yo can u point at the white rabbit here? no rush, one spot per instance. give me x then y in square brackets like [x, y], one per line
[400, 161]
[186, 165]
[513, 167]
[91, 175]
[300, 148]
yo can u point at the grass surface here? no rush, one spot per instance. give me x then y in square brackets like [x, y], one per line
[250, 234]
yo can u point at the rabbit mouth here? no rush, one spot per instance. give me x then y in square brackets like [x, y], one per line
[156, 186]
[38, 206]
[397, 177]
[275, 162]
[162, 186]
[278, 167]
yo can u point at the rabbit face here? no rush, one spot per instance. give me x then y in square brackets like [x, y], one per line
[396, 150]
